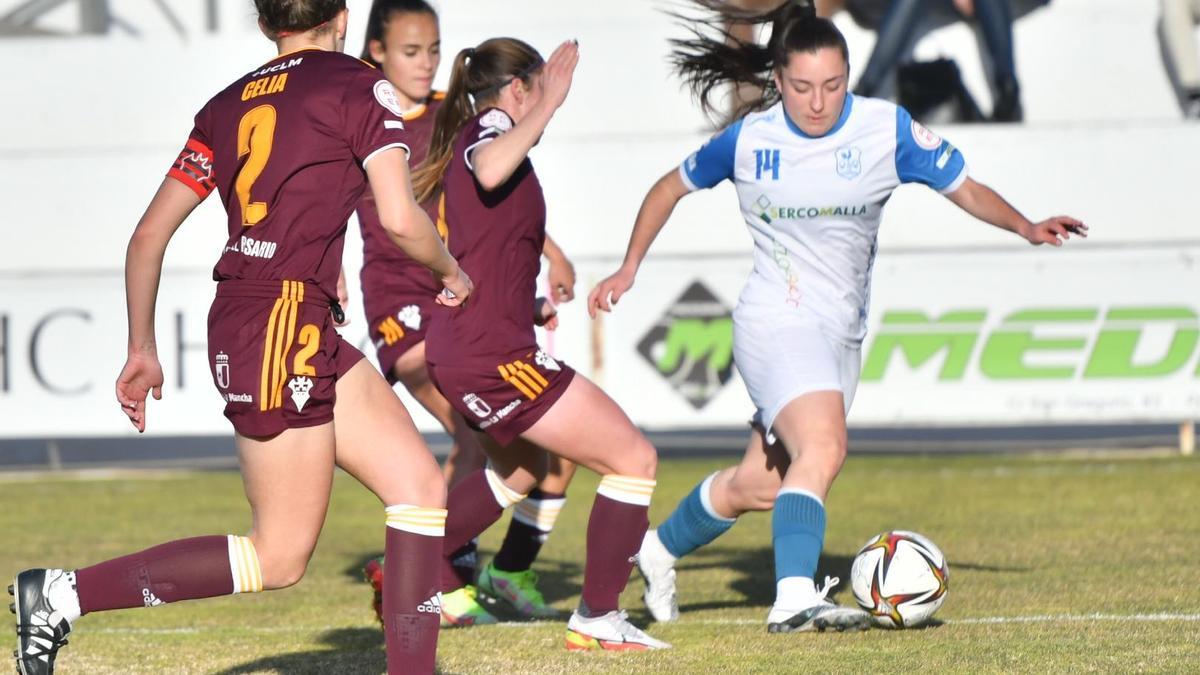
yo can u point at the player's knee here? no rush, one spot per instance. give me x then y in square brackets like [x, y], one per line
[753, 495]
[641, 460]
[283, 569]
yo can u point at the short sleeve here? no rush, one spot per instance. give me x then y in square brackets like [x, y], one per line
[194, 165]
[713, 162]
[490, 126]
[924, 157]
[374, 117]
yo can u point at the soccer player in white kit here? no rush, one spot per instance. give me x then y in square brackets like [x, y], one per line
[813, 166]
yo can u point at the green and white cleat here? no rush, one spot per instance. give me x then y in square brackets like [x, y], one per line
[518, 589]
[462, 608]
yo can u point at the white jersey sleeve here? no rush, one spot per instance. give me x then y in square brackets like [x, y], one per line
[714, 161]
[924, 157]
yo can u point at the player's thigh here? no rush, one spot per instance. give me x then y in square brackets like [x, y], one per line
[813, 429]
[287, 479]
[587, 427]
[378, 443]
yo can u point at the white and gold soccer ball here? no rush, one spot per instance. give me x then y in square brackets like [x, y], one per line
[901, 578]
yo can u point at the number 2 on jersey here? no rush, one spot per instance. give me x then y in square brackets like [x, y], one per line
[256, 135]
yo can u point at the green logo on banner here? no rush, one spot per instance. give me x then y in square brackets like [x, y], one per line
[1082, 343]
[692, 345]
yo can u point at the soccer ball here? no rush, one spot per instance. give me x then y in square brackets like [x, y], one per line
[901, 578]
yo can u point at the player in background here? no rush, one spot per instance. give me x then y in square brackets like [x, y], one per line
[290, 147]
[813, 167]
[486, 361]
[404, 41]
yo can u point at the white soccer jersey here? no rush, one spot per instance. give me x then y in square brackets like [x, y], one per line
[813, 204]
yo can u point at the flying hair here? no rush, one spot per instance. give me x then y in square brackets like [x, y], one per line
[713, 56]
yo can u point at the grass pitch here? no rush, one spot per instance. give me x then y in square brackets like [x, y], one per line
[1057, 564]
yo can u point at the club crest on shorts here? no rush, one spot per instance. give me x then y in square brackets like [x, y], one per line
[300, 387]
[477, 405]
[849, 162]
[221, 368]
[546, 361]
[410, 316]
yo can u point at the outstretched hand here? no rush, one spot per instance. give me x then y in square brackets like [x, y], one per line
[558, 72]
[142, 375]
[1055, 231]
[608, 292]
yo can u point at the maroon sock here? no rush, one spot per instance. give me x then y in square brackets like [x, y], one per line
[614, 535]
[411, 606]
[185, 569]
[523, 541]
[472, 509]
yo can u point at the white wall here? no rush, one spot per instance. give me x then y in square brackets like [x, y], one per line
[91, 124]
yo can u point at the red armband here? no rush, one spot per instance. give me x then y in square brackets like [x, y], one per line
[194, 168]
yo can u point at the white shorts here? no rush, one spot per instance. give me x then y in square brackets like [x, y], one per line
[781, 360]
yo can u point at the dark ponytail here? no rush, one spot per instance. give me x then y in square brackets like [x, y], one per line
[382, 12]
[281, 18]
[706, 62]
[476, 78]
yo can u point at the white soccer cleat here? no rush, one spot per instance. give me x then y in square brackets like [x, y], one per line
[657, 566]
[608, 632]
[819, 617]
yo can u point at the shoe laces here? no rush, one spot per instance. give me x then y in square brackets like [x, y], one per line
[626, 629]
[829, 584]
[527, 582]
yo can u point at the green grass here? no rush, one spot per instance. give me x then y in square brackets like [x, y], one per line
[1054, 537]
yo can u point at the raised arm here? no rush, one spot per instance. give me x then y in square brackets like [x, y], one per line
[409, 227]
[985, 204]
[495, 162]
[142, 374]
[656, 208]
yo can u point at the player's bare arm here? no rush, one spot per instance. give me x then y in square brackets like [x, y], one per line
[495, 162]
[656, 208]
[561, 272]
[985, 204]
[409, 227]
[142, 373]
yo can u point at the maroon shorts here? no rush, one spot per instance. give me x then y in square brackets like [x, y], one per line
[506, 399]
[275, 355]
[397, 318]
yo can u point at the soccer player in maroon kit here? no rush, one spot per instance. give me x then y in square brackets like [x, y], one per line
[290, 147]
[484, 358]
[403, 40]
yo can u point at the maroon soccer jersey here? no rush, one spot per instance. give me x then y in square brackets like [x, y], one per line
[285, 146]
[398, 292]
[497, 237]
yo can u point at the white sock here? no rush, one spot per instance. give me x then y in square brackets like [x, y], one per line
[62, 595]
[795, 593]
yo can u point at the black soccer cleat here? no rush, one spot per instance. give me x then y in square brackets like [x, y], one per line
[41, 630]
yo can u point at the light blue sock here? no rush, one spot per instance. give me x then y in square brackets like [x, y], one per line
[798, 528]
[694, 523]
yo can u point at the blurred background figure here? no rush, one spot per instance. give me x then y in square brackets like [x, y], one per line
[1177, 30]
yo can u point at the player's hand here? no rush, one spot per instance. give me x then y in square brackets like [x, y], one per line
[1055, 231]
[343, 296]
[558, 71]
[545, 314]
[456, 288]
[608, 292]
[965, 7]
[562, 280]
[142, 375]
